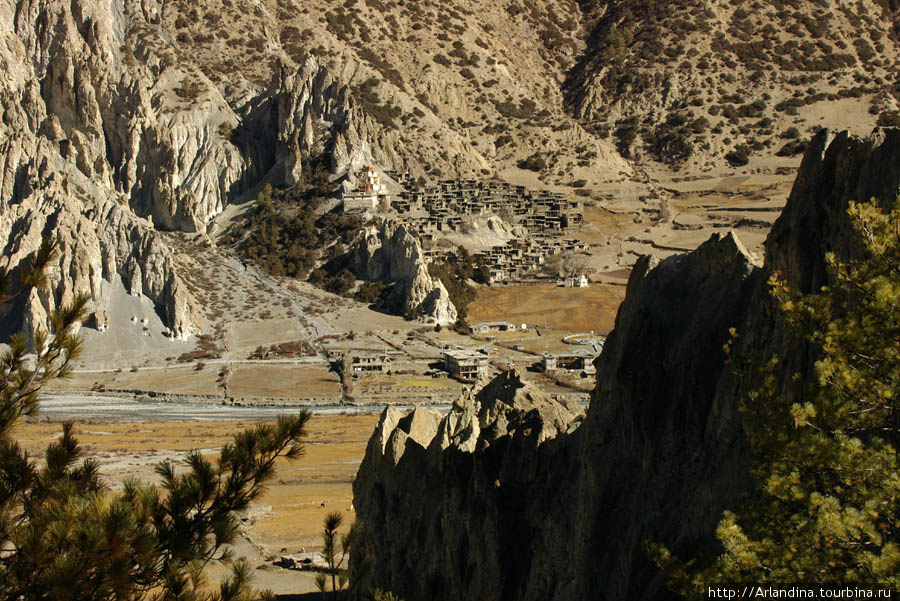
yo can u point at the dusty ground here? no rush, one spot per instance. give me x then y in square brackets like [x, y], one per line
[288, 516]
[668, 214]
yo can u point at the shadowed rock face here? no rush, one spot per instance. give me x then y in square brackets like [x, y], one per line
[424, 476]
[663, 446]
[521, 500]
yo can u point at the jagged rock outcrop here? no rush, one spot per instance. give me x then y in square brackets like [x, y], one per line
[423, 474]
[662, 450]
[88, 149]
[479, 513]
[390, 253]
[108, 135]
[312, 111]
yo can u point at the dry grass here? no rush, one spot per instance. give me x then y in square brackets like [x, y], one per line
[300, 494]
[182, 379]
[271, 380]
[569, 309]
[283, 381]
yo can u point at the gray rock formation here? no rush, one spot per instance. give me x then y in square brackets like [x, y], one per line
[109, 134]
[423, 475]
[389, 253]
[501, 505]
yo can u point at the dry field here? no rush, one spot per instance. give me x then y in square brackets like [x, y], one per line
[288, 516]
[282, 381]
[547, 305]
[263, 380]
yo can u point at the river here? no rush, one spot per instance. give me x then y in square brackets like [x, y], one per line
[78, 407]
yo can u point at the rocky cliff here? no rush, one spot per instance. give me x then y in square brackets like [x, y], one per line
[425, 479]
[110, 134]
[122, 119]
[389, 253]
[529, 503]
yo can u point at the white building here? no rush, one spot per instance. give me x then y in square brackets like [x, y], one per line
[576, 281]
[367, 194]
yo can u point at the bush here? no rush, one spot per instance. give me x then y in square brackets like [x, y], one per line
[889, 119]
[739, 156]
[341, 283]
[370, 292]
[533, 163]
[453, 273]
[188, 89]
[792, 148]
[625, 133]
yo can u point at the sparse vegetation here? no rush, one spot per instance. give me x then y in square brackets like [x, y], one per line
[189, 89]
[282, 233]
[453, 272]
[535, 162]
[739, 156]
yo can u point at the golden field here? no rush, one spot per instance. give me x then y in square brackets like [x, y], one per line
[287, 517]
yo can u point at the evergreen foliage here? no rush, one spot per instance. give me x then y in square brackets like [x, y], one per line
[370, 292]
[825, 509]
[283, 233]
[64, 535]
[335, 557]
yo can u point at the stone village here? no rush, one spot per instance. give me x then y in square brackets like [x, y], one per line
[543, 217]
[546, 217]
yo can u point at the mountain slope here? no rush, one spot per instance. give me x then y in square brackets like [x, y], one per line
[126, 120]
[682, 77]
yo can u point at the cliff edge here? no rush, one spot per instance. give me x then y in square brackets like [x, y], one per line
[504, 500]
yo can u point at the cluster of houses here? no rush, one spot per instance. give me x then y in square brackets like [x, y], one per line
[472, 364]
[520, 258]
[444, 207]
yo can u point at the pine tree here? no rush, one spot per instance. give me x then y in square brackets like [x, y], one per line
[65, 536]
[333, 558]
[826, 505]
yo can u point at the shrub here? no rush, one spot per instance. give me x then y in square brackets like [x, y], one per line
[534, 162]
[188, 89]
[889, 119]
[792, 148]
[739, 156]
